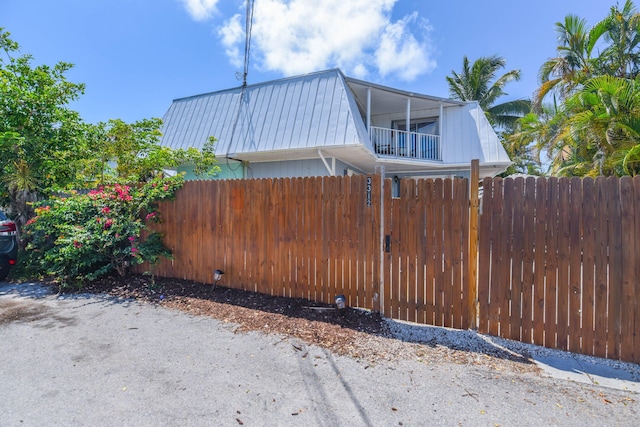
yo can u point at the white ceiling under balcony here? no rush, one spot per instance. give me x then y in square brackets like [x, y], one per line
[385, 100]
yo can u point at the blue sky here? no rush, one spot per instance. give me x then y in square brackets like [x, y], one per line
[136, 56]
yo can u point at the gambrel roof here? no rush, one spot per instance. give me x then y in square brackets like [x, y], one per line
[293, 118]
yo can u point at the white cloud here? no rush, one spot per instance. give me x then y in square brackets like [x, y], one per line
[400, 53]
[232, 36]
[358, 36]
[200, 9]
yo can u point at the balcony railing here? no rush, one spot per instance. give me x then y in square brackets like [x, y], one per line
[402, 144]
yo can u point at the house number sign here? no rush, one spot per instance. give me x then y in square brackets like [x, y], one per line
[369, 181]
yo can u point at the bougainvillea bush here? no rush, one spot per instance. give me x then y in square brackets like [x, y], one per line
[78, 238]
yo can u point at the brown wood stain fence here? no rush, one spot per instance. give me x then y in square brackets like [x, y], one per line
[559, 263]
[311, 238]
[557, 258]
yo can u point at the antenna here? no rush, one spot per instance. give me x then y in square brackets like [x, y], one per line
[247, 42]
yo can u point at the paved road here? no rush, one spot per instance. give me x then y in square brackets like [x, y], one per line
[97, 361]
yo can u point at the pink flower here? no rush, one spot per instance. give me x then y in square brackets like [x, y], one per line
[107, 224]
[77, 244]
[151, 216]
[106, 210]
[132, 239]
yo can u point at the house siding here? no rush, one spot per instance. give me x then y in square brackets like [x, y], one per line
[294, 168]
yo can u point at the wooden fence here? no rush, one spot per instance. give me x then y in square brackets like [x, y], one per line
[557, 263]
[311, 238]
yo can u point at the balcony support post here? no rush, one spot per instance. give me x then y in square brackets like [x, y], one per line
[369, 109]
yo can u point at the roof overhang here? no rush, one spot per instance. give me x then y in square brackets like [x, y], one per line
[360, 158]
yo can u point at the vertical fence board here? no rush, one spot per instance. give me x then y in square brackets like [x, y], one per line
[517, 255]
[629, 258]
[467, 321]
[388, 277]
[528, 256]
[448, 252]
[539, 273]
[485, 255]
[551, 319]
[430, 287]
[602, 243]
[318, 240]
[403, 232]
[460, 208]
[338, 236]
[438, 224]
[575, 267]
[394, 283]
[497, 263]
[588, 264]
[412, 248]
[374, 243]
[563, 248]
[507, 266]
[327, 237]
[615, 268]
[421, 252]
[348, 285]
[360, 236]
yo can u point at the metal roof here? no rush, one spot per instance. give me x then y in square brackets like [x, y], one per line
[298, 113]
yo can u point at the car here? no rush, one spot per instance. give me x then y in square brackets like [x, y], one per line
[8, 245]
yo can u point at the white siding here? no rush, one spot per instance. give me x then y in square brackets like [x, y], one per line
[293, 168]
[466, 135]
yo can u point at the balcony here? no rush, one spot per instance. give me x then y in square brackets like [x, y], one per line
[400, 144]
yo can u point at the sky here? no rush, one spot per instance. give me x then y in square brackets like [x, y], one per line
[136, 56]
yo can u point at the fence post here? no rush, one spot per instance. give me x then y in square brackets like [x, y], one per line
[474, 211]
[379, 302]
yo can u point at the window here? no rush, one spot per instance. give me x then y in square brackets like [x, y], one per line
[428, 126]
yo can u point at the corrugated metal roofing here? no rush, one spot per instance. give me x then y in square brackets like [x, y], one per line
[311, 111]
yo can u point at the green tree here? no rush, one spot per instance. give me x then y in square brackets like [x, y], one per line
[480, 82]
[38, 130]
[592, 128]
[573, 63]
[604, 123]
[130, 152]
[45, 147]
[621, 58]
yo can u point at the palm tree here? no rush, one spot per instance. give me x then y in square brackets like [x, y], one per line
[478, 82]
[573, 63]
[622, 57]
[605, 119]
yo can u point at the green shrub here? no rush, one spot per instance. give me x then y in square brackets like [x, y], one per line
[78, 238]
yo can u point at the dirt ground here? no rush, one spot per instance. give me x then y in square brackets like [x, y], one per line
[350, 332]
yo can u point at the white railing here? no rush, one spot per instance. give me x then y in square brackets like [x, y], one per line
[403, 144]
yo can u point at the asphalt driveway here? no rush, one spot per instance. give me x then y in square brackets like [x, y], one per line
[93, 360]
